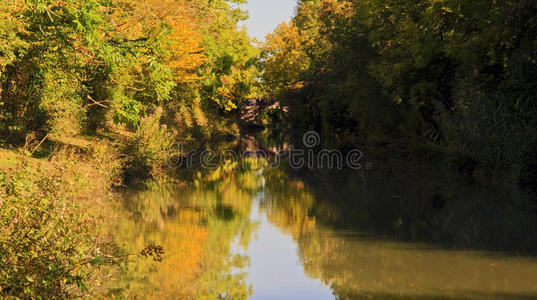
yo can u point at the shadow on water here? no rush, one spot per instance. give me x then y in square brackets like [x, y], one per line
[427, 203]
[395, 232]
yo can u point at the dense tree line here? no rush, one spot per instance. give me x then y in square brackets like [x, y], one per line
[453, 76]
[68, 67]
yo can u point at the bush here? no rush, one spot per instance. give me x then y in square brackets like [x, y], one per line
[148, 149]
[62, 103]
[44, 244]
[50, 215]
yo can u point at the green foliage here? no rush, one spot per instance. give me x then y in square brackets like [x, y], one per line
[450, 75]
[231, 71]
[13, 46]
[42, 242]
[44, 83]
[126, 111]
[286, 59]
[149, 148]
[61, 102]
[76, 66]
[270, 116]
[49, 240]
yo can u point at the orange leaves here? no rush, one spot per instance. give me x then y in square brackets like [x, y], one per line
[286, 59]
[339, 8]
[11, 26]
[172, 25]
[185, 52]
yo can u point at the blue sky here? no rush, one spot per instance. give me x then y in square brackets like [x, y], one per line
[265, 15]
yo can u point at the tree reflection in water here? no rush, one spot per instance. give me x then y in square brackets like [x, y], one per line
[363, 235]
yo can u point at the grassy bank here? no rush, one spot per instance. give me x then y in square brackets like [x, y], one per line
[52, 212]
[57, 199]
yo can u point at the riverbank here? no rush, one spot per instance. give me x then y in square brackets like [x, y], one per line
[58, 199]
[52, 211]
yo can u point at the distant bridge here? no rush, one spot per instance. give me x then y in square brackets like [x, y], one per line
[253, 107]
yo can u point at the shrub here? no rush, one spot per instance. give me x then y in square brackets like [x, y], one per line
[148, 149]
[62, 103]
[45, 247]
[50, 215]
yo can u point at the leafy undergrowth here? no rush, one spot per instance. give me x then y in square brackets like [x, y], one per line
[51, 215]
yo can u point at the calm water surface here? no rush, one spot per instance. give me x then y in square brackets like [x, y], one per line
[262, 233]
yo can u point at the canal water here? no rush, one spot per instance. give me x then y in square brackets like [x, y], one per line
[254, 232]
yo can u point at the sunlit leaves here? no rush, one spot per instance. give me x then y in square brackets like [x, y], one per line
[285, 56]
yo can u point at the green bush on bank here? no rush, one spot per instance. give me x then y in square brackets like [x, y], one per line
[44, 246]
[50, 215]
[148, 149]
